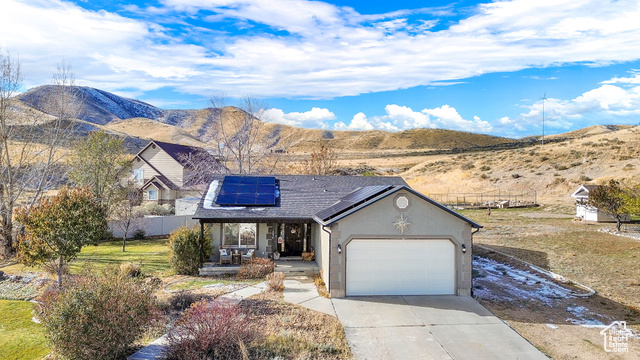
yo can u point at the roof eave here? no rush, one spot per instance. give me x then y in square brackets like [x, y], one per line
[392, 191]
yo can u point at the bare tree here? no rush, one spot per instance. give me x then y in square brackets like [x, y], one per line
[322, 161]
[201, 165]
[243, 144]
[125, 215]
[31, 143]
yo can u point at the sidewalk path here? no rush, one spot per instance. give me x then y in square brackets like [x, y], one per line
[155, 350]
[301, 290]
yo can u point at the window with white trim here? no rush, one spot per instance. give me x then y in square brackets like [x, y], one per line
[153, 195]
[239, 234]
[138, 175]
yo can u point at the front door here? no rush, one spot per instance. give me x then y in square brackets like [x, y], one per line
[293, 239]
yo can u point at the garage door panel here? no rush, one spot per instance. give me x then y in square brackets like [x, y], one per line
[400, 267]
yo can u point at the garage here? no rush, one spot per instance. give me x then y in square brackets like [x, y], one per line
[400, 267]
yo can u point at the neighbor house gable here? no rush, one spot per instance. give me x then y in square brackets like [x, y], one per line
[583, 191]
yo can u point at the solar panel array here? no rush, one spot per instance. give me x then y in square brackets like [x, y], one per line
[248, 191]
[352, 200]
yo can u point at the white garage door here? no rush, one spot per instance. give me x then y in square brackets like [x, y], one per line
[400, 267]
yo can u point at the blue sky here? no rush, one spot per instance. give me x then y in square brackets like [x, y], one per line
[475, 66]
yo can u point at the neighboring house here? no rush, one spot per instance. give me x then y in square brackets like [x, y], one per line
[371, 235]
[162, 172]
[587, 212]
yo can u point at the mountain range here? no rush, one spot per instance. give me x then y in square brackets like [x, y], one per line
[132, 118]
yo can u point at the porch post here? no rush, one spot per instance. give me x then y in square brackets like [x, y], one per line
[201, 242]
[304, 239]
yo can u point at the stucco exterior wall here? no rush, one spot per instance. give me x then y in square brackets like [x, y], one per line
[377, 222]
[320, 242]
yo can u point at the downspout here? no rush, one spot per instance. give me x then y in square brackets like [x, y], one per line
[329, 269]
[474, 232]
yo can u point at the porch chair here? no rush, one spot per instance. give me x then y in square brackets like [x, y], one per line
[225, 256]
[248, 256]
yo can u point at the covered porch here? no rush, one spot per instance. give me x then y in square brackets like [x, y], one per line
[290, 266]
[277, 239]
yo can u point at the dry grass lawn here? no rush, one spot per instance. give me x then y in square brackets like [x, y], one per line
[577, 250]
[294, 332]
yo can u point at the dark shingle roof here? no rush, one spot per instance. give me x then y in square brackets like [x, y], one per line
[177, 151]
[161, 182]
[301, 197]
[323, 199]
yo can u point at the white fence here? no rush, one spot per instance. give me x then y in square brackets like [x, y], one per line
[155, 225]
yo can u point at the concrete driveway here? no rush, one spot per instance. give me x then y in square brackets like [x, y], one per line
[428, 327]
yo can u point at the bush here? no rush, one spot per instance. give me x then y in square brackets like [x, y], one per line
[210, 330]
[139, 234]
[467, 166]
[182, 300]
[256, 268]
[187, 252]
[96, 316]
[276, 281]
[130, 270]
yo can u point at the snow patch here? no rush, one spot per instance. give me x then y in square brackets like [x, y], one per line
[514, 283]
[584, 317]
[211, 195]
[632, 235]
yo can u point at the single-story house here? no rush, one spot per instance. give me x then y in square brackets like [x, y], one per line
[370, 235]
[587, 212]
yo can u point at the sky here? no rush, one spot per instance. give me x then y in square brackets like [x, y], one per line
[478, 66]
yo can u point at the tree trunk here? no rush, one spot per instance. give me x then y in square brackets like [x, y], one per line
[124, 242]
[618, 223]
[6, 238]
[60, 269]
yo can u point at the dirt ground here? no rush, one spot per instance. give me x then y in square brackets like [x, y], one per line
[548, 313]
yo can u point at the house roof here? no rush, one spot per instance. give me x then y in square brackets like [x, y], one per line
[301, 197]
[583, 191]
[323, 199]
[160, 182]
[327, 216]
[176, 151]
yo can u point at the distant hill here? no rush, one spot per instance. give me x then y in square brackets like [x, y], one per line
[135, 118]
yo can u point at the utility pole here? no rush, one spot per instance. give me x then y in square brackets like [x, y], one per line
[543, 98]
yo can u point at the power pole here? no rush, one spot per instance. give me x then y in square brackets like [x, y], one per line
[543, 98]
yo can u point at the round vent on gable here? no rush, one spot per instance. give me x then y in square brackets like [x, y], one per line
[402, 202]
[153, 146]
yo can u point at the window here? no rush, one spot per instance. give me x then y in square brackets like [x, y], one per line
[138, 174]
[153, 194]
[239, 234]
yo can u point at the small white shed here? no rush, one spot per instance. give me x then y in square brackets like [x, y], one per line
[587, 212]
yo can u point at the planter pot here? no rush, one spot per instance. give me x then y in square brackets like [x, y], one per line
[308, 256]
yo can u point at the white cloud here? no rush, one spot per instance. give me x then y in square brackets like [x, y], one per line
[359, 122]
[316, 117]
[403, 117]
[314, 49]
[448, 118]
[615, 103]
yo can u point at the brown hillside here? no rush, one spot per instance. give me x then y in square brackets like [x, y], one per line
[553, 170]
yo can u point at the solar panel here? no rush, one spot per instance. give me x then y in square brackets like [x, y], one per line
[352, 199]
[248, 191]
